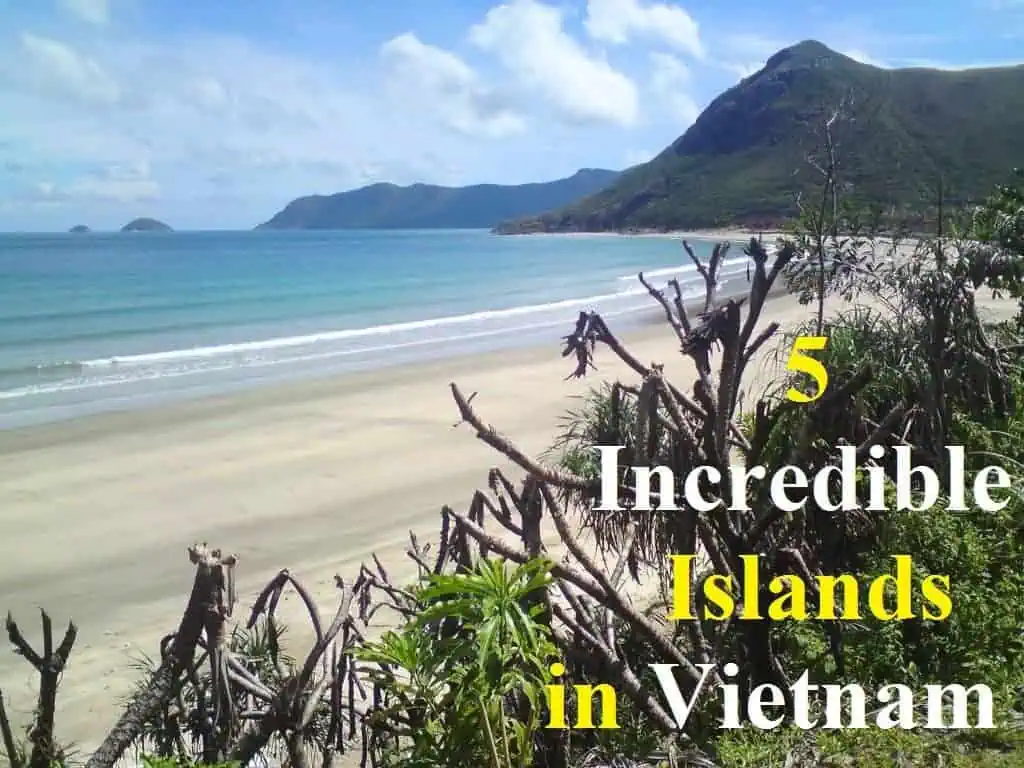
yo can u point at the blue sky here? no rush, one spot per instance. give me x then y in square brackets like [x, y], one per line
[216, 114]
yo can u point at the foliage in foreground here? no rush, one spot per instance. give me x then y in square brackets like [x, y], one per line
[790, 748]
[473, 650]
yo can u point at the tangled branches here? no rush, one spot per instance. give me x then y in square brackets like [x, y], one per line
[212, 697]
[669, 427]
[474, 642]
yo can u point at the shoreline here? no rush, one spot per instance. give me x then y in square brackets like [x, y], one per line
[732, 234]
[282, 378]
[238, 381]
[113, 370]
[313, 476]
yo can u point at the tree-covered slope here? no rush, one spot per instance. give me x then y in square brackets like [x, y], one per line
[425, 206]
[745, 158]
[146, 224]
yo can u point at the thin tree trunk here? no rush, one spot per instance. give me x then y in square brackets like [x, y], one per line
[207, 595]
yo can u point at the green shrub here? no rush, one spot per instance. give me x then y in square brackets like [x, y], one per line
[463, 679]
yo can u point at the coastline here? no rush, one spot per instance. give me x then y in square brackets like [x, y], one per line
[314, 476]
[283, 310]
[732, 234]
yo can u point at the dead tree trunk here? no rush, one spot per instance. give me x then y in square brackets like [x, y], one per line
[211, 596]
[50, 665]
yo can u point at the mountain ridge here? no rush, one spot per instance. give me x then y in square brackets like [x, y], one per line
[428, 206]
[744, 160]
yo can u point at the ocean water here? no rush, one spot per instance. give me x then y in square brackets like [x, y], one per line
[98, 322]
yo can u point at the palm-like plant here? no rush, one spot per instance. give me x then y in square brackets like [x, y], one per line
[462, 681]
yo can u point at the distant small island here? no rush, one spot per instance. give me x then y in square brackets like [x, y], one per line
[146, 225]
[79, 229]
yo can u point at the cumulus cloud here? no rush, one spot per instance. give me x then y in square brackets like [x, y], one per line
[58, 69]
[619, 21]
[529, 40]
[446, 85]
[193, 114]
[226, 128]
[186, 101]
[670, 83]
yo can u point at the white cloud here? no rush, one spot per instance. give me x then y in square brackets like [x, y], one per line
[115, 183]
[744, 53]
[92, 11]
[742, 70]
[958, 67]
[219, 130]
[528, 39]
[668, 71]
[56, 68]
[619, 21]
[195, 114]
[638, 156]
[446, 85]
[670, 83]
[138, 170]
[751, 45]
[207, 93]
[864, 58]
[99, 190]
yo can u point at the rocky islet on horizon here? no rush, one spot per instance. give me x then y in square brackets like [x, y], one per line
[146, 224]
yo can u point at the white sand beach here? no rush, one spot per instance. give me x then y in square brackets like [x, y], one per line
[97, 513]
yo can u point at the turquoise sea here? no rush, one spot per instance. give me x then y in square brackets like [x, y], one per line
[111, 321]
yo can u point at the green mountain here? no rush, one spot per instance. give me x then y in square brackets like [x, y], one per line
[424, 206]
[146, 225]
[745, 158]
